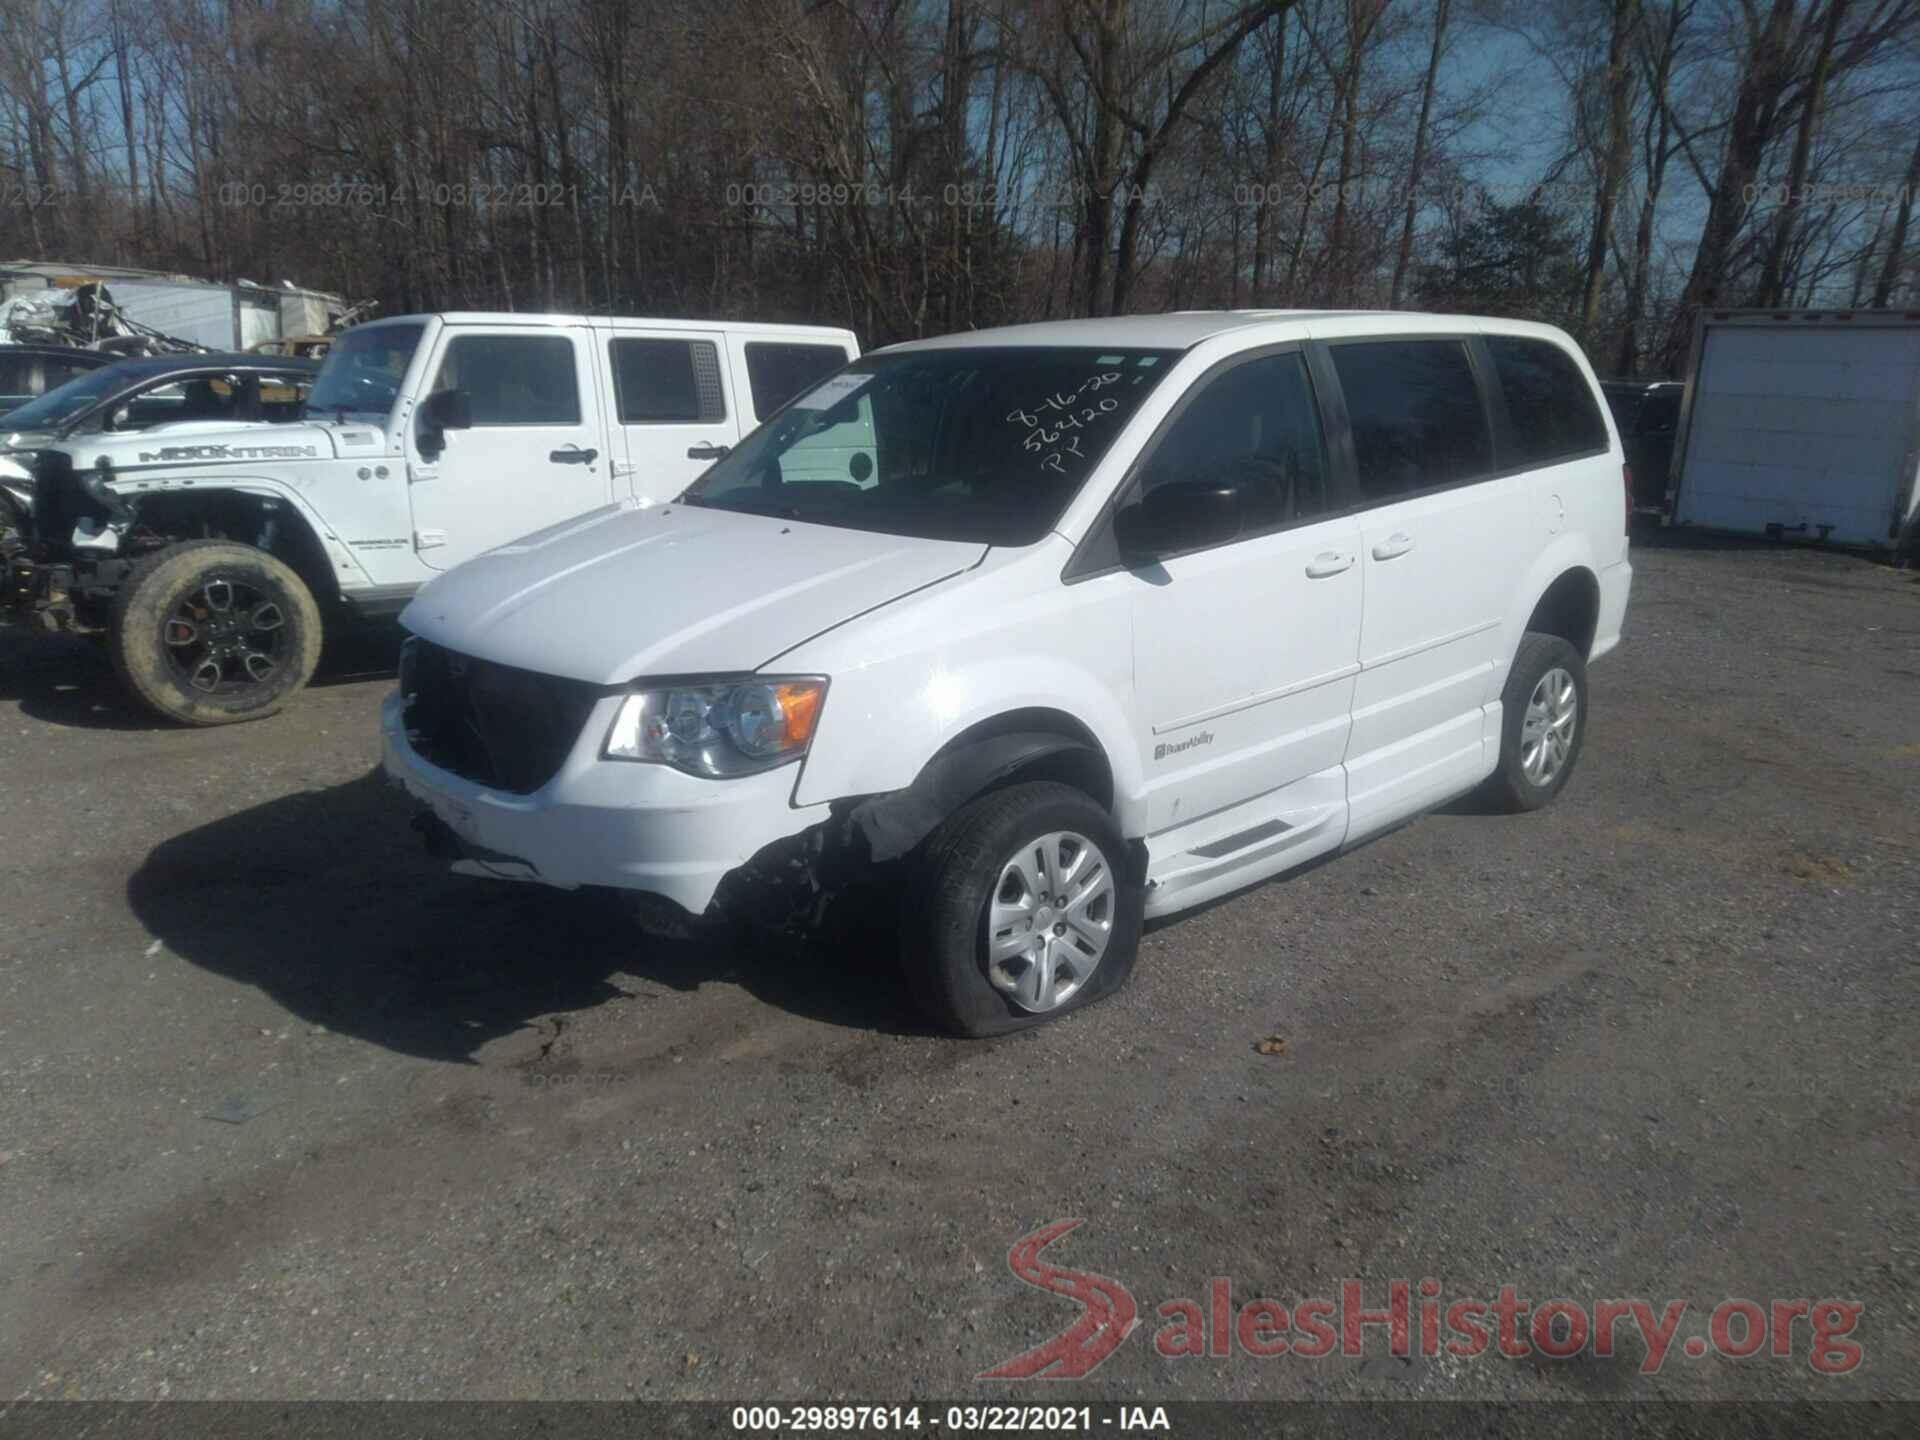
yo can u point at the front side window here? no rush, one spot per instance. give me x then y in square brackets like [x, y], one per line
[363, 371]
[961, 443]
[1416, 416]
[1254, 427]
[1549, 403]
[513, 379]
[667, 382]
[777, 373]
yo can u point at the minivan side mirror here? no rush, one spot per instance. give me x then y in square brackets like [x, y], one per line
[1178, 516]
[440, 412]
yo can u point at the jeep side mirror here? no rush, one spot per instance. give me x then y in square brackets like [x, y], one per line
[1178, 516]
[440, 412]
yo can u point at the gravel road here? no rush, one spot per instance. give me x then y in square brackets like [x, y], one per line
[286, 1111]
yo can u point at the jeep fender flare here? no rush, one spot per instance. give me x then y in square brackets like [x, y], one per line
[345, 571]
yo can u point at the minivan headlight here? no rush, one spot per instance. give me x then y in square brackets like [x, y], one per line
[719, 727]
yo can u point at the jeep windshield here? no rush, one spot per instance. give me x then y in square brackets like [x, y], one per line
[64, 402]
[363, 371]
[977, 443]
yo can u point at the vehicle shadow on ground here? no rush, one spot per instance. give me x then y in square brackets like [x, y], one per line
[326, 901]
[68, 679]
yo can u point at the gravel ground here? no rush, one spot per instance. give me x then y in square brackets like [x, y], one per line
[285, 1111]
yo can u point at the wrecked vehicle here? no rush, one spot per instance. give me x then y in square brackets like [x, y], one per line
[69, 541]
[1079, 623]
[211, 555]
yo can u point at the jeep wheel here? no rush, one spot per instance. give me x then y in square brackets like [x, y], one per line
[1021, 909]
[210, 632]
[1543, 723]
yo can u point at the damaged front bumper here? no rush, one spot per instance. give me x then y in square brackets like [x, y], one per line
[626, 825]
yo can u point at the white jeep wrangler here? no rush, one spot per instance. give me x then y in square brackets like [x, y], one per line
[207, 560]
[1080, 623]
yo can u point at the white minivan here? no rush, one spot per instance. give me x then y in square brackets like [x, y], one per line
[1056, 627]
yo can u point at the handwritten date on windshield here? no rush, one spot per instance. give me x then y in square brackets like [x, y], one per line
[1051, 422]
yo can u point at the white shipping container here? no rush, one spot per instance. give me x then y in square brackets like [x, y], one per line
[205, 314]
[1802, 424]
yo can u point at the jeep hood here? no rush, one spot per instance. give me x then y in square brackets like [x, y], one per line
[622, 593]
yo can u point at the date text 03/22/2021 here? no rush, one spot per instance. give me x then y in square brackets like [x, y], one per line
[959, 1419]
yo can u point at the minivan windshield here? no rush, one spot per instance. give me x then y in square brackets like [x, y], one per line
[63, 402]
[980, 443]
[363, 371]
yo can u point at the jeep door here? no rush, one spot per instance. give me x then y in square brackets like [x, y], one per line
[1440, 540]
[674, 412]
[1245, 652]
[535, 451]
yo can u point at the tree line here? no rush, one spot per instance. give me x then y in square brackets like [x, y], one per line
[907, 167]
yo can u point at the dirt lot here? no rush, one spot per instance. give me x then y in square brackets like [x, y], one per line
[286, 1111]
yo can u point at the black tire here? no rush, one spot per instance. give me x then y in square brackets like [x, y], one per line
[254, 671]
[1511, 787]
[953, 876]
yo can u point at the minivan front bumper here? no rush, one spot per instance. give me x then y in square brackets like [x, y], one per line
[603, 822]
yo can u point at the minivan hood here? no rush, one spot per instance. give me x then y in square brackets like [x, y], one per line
[622, 593]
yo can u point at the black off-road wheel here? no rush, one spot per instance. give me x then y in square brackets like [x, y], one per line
[1021, 908]
[210, 633]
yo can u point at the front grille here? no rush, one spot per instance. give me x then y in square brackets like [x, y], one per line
[504, 728]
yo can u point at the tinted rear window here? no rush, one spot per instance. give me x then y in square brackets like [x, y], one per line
[667, 382]
[1549, 403]
[777, 373]
[1416, 416]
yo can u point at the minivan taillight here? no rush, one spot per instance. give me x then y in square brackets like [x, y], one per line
[1626, 481]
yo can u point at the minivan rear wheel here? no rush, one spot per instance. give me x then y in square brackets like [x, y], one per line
[1543, 723]
[1021, 909]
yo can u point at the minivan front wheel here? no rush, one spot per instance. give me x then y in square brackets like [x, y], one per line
[1022, 909]
[1543, 723]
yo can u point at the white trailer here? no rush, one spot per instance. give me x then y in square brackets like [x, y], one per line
[1802, 424]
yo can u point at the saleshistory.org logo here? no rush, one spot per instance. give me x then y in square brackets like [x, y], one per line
[1313, 1329]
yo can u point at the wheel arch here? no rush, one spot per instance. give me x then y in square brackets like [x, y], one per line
[1014, 746]
[260, 514]
[1560, 590]
[1570, 608]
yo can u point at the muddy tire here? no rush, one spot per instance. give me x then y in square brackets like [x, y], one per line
[210, 633]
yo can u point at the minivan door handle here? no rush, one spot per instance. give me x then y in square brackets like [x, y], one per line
[1328, 562]
[573, 455]
[707, 452]
[1393, 547]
